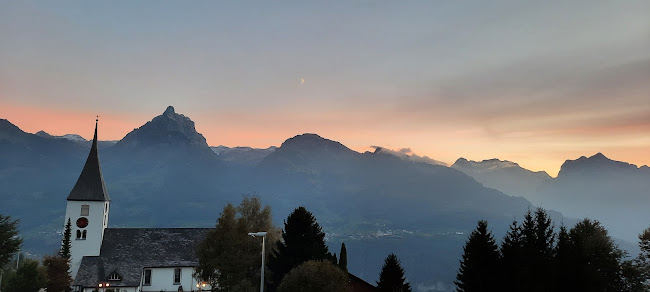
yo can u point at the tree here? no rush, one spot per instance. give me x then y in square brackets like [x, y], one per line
[391, 277]
[9, 241]
[643, 260]
[315, 276]
[563, 262]
[596, 258]
[229, 259]
[479, 265]
[343, 258]
[65, 242]
[58, 277]
[511, 260]
[302, 240]
[29, 277]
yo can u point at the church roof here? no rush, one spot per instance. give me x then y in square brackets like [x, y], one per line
[127, 251]
[90, 185]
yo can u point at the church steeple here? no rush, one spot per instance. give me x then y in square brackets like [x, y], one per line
[90, 185]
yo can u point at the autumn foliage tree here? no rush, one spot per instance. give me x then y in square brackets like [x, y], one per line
[315, 276]
[58, 278]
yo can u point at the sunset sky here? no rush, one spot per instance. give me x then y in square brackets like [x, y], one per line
[535, 82]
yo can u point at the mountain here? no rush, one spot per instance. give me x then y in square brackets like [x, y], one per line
[242, 156]
[614, 192]
[503, 175]
[406, 154]
[163, 174]
[166, 130]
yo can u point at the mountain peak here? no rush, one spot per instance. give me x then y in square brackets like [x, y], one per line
[598, 156]
[598, 163]
[169, 111]
[169, 128]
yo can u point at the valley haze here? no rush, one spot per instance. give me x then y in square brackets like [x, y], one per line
[164, 173]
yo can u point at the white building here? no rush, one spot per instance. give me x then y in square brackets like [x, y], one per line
[124, 259]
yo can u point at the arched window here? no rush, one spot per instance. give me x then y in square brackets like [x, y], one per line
[83, 235]
[78, 234]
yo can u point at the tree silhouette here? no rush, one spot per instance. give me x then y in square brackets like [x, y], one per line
[9, 241]
[391, 277]
[58, 277]
[343, 258]
[65, 243]
[303, 240]
[479, 265]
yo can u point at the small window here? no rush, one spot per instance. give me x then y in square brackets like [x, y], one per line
[83, 235]
[78, 234]
[177, 276]
[114, 276]
[85, 210]
[147, 277]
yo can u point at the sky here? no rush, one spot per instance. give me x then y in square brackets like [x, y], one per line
[534, 82]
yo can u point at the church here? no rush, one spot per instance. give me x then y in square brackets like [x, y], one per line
[124, 259]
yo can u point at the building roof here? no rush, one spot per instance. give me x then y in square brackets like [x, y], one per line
[127, 251]
[359, 285]
[90, 185]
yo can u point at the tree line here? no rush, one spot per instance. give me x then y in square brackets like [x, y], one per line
[534, 257]
[29, 275]
[298, 259]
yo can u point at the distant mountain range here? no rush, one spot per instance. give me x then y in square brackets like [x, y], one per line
[615, 192]
[164, 174]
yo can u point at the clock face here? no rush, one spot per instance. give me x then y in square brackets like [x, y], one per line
[82, 222]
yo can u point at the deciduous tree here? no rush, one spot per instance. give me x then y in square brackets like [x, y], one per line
[28, 277]
[58, 277]
[315, 276]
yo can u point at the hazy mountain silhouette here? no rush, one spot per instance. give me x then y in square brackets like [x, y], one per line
[164, 174]
[503, 175]
[614, 192]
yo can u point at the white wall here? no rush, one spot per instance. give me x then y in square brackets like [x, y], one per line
[97, 222]
[116, 289]
[162, 279]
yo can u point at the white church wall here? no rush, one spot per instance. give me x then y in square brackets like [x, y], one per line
[97, 222]
[162, 279]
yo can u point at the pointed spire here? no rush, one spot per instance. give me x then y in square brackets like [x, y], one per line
[90, 185]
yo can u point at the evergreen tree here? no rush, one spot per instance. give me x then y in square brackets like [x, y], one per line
[58, 277]
[9, 241]
[479, 265]
[343, 258]
[65, 243]
[511, 258]
[391, 277]
[563, 263]
[302, 240]
[542, 261]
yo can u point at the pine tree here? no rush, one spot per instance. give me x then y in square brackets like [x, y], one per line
[65, 243]
[343, 258]
[511, 258]
[479, 265]
[303, 240]
[9, 241]
[391, 277]
[563, 262]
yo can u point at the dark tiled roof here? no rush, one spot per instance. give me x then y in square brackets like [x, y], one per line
[359, 285]
[128, 250]
[90, 185]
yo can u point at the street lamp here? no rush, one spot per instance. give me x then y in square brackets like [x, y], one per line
[263, 235]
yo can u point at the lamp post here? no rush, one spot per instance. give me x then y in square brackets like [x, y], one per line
[261, 234]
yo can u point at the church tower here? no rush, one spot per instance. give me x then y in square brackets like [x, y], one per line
[87, 209]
